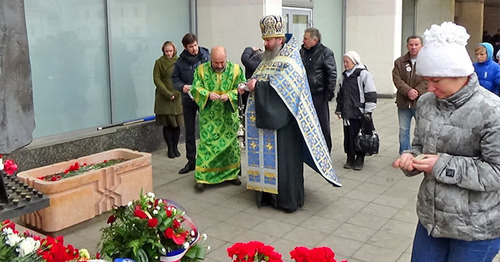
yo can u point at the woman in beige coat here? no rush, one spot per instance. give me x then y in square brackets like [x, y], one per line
[168, 103]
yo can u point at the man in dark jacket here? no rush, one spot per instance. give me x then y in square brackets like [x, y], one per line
[410, 87]
[321, 70]
[182, 77]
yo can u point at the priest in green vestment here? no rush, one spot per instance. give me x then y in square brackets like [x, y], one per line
[214, 89]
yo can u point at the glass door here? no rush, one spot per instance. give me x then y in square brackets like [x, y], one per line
[297, 20]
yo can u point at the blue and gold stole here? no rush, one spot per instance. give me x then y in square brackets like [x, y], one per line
[287, 76]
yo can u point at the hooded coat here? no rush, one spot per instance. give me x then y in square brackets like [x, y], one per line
[488, 72]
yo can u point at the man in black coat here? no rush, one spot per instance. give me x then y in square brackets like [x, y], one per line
[321, 70]
[182, 77]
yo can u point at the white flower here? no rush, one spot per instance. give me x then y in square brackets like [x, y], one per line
[13, 239]
[27, 246]
[204, 236]
[129, 203]
[149, 206]
[208, 248]
[7, 231]
[155, 212]
[185, 245]
[158, 207]
[163, 251]
[151, 195]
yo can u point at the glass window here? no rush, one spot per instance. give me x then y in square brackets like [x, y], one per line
[137, 31]
[69, 67]
[92, 60]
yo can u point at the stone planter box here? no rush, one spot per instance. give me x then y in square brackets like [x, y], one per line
[82, 197]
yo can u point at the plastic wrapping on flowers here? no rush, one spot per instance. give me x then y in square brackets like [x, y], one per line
[151, 229]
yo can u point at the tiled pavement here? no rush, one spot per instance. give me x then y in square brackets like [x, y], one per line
[371, 218]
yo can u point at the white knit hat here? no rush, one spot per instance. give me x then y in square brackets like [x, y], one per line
[354, 56]
[444, 53]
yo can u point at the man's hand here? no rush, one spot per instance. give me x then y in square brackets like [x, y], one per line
[251, 84]
[186, 88]
[412, 94]
[172, 97]
[214, 96]
[224, 97]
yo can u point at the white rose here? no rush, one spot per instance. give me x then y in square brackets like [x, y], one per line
[13, 239]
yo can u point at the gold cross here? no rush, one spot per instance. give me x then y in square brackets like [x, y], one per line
[269, 146]
[253, 145]
[252, 117]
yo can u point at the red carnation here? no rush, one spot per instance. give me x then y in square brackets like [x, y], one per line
[111, 219]
[140, 214]
[152, 222]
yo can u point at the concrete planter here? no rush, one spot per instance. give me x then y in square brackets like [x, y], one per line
[82, 197]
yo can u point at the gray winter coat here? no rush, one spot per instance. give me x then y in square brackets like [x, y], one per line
[460, 198]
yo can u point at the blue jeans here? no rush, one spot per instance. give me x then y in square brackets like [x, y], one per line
[430, 249]
[404, 117]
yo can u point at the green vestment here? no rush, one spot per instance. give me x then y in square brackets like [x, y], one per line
[218, 153]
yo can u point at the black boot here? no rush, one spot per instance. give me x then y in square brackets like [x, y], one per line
[349, 163]
[175, 139]
[167, 135]
[188, 167]
[359, 162]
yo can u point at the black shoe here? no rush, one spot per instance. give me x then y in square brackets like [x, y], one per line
[349, 163]
[236, 182]
[170, 151]
[188, 167]
[359, 162]
[176, 151]
[199, 187]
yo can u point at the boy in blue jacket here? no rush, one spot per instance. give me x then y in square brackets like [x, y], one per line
[488, 72]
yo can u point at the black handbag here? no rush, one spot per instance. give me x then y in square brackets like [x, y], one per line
[367, 140]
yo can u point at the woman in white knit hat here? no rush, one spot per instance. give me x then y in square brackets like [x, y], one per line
[457, 150]
[356, 100]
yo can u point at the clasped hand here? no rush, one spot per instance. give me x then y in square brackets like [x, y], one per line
[409, 162]
[214, 96]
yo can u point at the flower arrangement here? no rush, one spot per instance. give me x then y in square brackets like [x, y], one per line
[151, 229]
[8, 166]
[78, 169]
[255, 251]
[26, 247]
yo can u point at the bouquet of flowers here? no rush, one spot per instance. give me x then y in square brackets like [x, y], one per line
[26, 247]
[253, 251]
[317, 254]
[151, 229]
[18, 247]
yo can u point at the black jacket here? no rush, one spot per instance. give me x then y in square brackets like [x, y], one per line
[321, 69]
[251, 59]
[184, 71]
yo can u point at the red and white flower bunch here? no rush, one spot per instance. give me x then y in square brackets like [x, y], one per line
[255, 251]
[26, 247]
[150, 229]
[7, 165]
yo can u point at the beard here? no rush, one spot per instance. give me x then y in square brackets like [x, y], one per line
[218, 69]
[271, 53]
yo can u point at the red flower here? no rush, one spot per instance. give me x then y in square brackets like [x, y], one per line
[140, 214]
[299, 254]
[111, 219]
[176, 224]
[152, 222]
[9, 166]
[179, 239]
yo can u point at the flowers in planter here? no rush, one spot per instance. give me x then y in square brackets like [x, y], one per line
[78, 169]
[255, 251]
[151, 229]
[8, 165]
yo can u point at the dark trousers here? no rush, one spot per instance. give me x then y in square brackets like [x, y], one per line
[320, 102]
[350, 133]
[190, 124]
